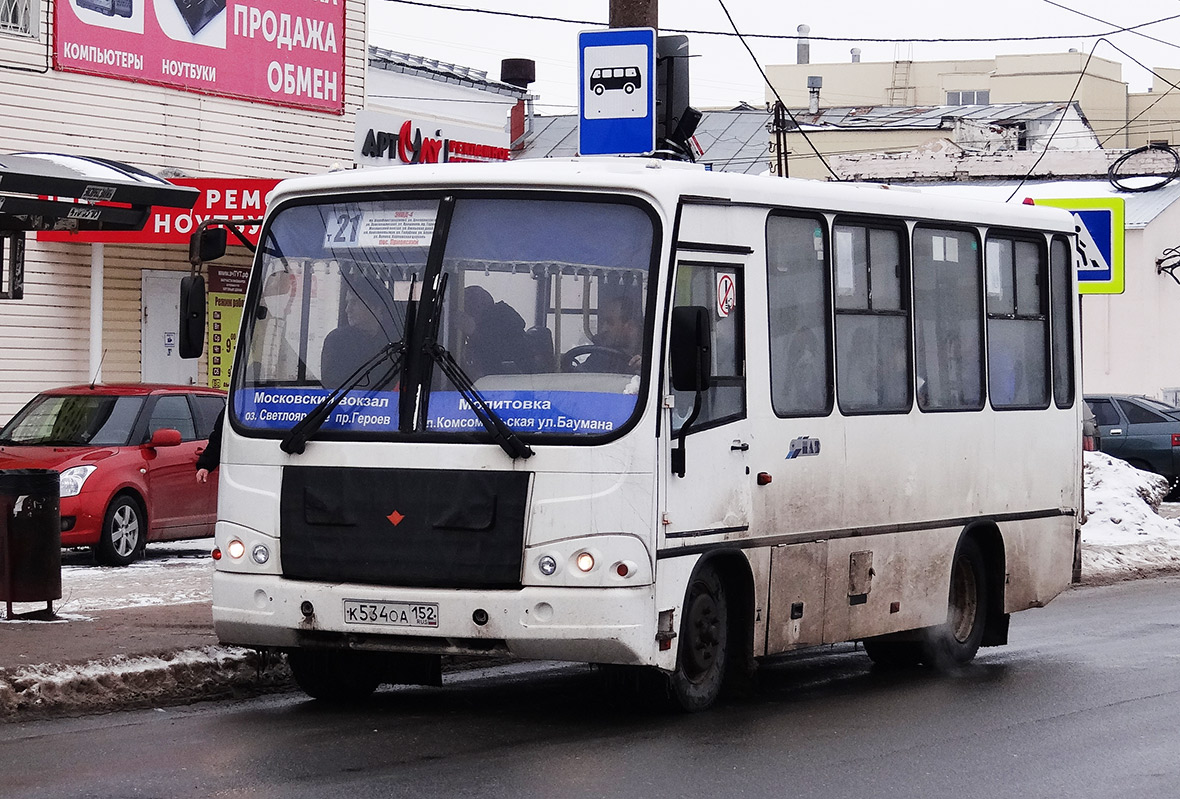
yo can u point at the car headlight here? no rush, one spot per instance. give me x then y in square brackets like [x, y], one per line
[72, 480]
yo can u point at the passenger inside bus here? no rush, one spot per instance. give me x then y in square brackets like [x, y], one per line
[369, 326]
[494, 338]
[619, 340]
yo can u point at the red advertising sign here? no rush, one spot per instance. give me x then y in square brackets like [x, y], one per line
[221, 198]
[286, 52]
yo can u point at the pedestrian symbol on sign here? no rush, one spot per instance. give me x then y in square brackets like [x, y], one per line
[1098, 255]
[726, 294]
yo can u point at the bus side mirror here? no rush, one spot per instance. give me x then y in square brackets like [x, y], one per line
[206, 244]
[690, 348]
[192, 316]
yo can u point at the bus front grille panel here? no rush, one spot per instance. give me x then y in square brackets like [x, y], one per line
[403, 527]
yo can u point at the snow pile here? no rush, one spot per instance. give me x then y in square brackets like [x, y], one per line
[1124, 535]
[138, 682]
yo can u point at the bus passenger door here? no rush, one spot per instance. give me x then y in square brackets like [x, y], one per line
[711, 501]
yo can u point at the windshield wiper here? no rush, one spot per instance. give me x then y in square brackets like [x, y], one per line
[501, 432]
[296, 439]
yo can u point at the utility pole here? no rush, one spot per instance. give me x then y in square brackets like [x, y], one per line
[634, 14]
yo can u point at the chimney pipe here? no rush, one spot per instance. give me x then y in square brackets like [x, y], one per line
[856, 55]
[519, 72]
[814, 84]
[803, 48]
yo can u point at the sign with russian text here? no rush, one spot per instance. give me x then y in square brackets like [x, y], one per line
[226, 298]
[285, 52]
[221, 198]
[385, 140]
[555, 412]
[1100, 227]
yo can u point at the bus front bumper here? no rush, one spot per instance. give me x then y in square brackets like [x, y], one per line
[596, 625]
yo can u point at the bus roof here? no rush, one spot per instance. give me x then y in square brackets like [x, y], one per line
[669, 181]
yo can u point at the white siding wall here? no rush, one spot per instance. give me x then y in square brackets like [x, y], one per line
[44, 339]
[1131, 341]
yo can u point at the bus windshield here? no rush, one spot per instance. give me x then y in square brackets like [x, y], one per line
[541, 302]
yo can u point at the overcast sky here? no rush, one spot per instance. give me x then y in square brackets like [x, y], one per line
[724, 73]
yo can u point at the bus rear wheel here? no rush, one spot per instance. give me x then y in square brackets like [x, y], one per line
[957, 641]
[336, 676]
[704, 644]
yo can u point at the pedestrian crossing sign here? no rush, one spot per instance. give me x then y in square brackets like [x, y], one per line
[1100, 224]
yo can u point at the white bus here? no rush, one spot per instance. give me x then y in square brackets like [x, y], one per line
[633, 412]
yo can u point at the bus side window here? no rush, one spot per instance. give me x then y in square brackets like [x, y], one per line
[1061, 299]
[699, 283]
[872, 320]
[799, 324]
[1017, 323]
[948, 319]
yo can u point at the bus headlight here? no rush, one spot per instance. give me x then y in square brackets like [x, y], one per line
[584, 561]
[235, 549]
[260, 554]
[547, 565]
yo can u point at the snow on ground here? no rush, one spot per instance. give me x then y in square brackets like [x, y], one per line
[1125, 534]
[172, 573]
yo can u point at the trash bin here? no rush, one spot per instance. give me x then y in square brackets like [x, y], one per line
[30, 537]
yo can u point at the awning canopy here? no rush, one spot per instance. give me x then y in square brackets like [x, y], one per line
[50, 191]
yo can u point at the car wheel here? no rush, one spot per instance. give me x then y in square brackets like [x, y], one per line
[124, 533]
[599, 90]
[956, 642]
[628, 88]
[704, 644]
[339, 677]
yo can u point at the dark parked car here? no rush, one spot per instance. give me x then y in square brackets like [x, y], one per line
[1142, 431]
[127, 457]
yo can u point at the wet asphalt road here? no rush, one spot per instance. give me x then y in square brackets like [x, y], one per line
[1084, 702]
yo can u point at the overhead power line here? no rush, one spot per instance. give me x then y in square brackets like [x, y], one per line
[1107, 22]
[770, 85]
[792, 37]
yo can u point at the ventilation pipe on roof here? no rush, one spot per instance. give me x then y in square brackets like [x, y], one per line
[856, 55]
[803, 48]
[518, 72]
[814, 84]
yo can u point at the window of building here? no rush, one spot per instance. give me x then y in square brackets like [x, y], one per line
[1017, 323]
[948, 319]
[800, 341]
[977, 97]
[20, 16]
[872, 319]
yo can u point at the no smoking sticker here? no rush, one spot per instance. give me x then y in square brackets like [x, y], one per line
[726, 294]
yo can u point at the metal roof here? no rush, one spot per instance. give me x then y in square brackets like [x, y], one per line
[441, 71]
[932, 117]
[733, 141]
[51, 191]
[739, 140]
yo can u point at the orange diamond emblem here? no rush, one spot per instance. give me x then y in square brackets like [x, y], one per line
[396, 518]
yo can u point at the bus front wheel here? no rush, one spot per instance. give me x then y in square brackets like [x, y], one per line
[956, 642]
[335, 676]
[704, 640]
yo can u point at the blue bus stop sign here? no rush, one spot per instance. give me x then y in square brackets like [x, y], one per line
[616, 92]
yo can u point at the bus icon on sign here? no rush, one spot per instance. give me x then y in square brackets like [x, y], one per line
[608, 78]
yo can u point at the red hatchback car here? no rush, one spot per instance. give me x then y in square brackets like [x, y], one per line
[127, 456]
